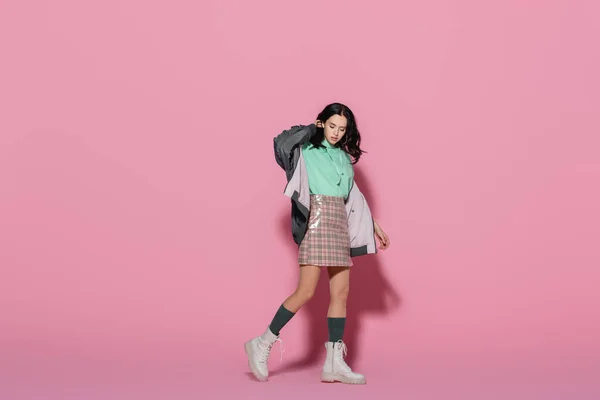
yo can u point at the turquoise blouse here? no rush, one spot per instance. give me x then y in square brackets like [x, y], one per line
[330, 170]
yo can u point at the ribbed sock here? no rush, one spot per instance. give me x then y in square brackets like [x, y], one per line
[336, 328]
[281, 318]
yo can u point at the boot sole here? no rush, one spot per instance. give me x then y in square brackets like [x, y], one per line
[248, 350]
[330, 378]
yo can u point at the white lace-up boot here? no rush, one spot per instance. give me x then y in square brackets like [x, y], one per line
[335, 368]
[258, 351]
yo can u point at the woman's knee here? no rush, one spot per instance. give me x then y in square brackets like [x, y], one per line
[339, 293]
[305, 293]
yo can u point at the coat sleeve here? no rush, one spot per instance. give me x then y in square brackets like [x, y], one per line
[285, 143]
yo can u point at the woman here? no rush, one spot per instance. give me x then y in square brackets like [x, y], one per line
[331, 223]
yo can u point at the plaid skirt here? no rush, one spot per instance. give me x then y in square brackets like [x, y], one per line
[326, 243]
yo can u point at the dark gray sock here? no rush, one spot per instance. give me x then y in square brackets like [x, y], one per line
[281, 318]
[336, 328]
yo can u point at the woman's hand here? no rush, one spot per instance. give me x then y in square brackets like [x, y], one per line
[384, 240]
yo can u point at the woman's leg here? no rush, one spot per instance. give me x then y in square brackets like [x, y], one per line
[335, 367]
[339, 287]
[259, 348]
[307, 284]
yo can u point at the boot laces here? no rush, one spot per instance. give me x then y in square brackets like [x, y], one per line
[341, 353]
[266, 346]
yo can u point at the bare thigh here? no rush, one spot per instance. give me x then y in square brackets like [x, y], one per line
[309, 278]
[339, 287]
[339, 279]
[307, 284]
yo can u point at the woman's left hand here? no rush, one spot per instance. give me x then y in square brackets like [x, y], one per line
[384, 240]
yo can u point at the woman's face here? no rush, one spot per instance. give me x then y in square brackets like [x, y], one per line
[335, 128]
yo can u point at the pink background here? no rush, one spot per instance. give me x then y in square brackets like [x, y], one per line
[144, 235]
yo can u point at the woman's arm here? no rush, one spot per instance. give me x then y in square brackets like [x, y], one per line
[286, 141]
[384, 240]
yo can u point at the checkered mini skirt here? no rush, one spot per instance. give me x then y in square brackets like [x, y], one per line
[326, 243]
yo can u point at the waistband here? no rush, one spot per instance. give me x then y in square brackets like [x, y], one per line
[328, 199]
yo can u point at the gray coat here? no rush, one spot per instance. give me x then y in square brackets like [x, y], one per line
[288, 154]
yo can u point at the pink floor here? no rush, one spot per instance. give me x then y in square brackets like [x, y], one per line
[49, 378]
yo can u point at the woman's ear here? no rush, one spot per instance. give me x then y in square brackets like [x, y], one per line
[319, 124]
